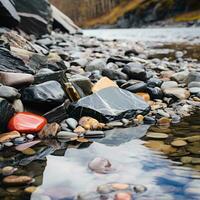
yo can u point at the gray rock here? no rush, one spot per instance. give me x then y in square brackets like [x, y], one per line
[30, 136]
[194, 84]
[72, 123]
[9, 93]
[97, 64]
[179, 54]
[8, 144]
[45, 71]
[194, 90]
[66, 135]
[114, 75]
[18, 105]
[169, 84]
[180, 77]
[179, 93]
[194, 76]
[94, 134]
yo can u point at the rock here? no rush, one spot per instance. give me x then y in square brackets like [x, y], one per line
[155, 93]
[154, 82]
[47, 93]
[179, 93]
[149, 120]
[19, 140]
[137, 87]
[169, 84]
[194, 138]
[90, 123]
[49, 130]
[72, 123]
[194, 148]
[194, 90]
[66, 135]
[164, 121]
[104, 82]
[30, 189]
[10, 63]
[114, 124]
[140, 118]
[83, 82]
[156, 135]
[119, 59]
[9, 16]
[18, 106]
[125, 105]
[17, 180]
[16, 79]
[178, 143]
[30, 136]
[8, 144]
[144, 96]
[9, 136]
[120, 186]
[180, 77]
[186, 160]
[8, 170]
[79, 130]
[100, 165]
[6, 112]
[35, 16]
[94, 134]
[96, 64]
[26, 122]
[123, 196]
[193, 76]
[9, 93]
[24, 146]
[194, 84]
[135, 71]
[114, 74]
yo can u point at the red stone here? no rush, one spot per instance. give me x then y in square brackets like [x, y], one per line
[26, 122]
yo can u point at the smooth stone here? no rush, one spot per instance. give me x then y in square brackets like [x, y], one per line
[18, 106]
[104, 82]
[123, 196]
[114, 74]
[125, 121]
[8, 144]
[100, 165]
[80, 62]
[29, 152]
[112, 66]
[180, 77]
[154, 82]
[16, 79]
[179, 54]
[90, 123]
[47, 93]
[94, 134]
[144, 96]
[179, 93]
[30, 136]
[194, 90]
[157, 135]
[49, 131]
[149, 120]
[194, 76]
[140, 188]
[30, 189]
[186, 159]
[27, 145]
[155, 93]
[195, 161]
[178, 143]
[45, 71]
[66, 135]
[137, 87]
[114, 124]
[9, 93]
[26, 122]
[9, 136]
[8, 170]
[120, 186]
[72, 123]
[19, 140]
[169, 84]
[194, 84]
[195, 149]
[97, 64]
[17, 180]
[163, 113]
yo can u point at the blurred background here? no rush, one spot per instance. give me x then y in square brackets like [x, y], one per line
[131, 13]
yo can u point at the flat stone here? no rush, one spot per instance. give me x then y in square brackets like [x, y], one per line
[194, 76]
[114, 74]
[178, 143]
[137, 87]
[16, 79]
[104, 82]
[30, 189]
[186, 160]
[123, 196]
[8, 170]
[94, 134]
[157, 135]
[194, 90]
[9, 93]
[79, 130]
[24, 146]
[115, 124]
[169, 84]
[194, 138]
[9, 136]
[29, 152]
[30, 136]
[8, 144]
[194, 84]
[26, 122]
[179, 93]
[16, 180]
[66, 135]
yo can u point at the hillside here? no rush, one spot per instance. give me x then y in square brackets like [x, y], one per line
[129, 13]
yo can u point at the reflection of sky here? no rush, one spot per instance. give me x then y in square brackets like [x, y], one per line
[135, 164]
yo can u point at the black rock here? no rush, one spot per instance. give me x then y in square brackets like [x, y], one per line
[154, 82]
[35, 16]
[109, 104]
[137, 87]
[149, 120]
[6, 112]
[47, 93]
[8, 14]
[136, 72]
[155, 93]
[120, 82]
[114, 74]
[10, 63]
[119, 59]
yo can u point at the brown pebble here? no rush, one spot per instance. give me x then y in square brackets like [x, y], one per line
[17, 180]
[30, 189]
[120, 186]
[178, 143]
[164, 121]
[123, 196]
[79, 130]
[9, 136]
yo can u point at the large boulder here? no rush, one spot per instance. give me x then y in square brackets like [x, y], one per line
[35, 16]
[109, 104]
[8, 14]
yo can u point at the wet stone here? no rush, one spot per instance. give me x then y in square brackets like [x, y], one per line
[154, 82]
[114, 74]
[114, 124]
[90, 123]
[155, 93]
[94, 134]
[186, 159]
[8, 144]
[19, 140]
[17, 180]
[179, 93]
[30, 136]
[137, 87]
[97, 64]
[30, 189]
[154, 135]
[18, 105]
[123, 196]
[8, 170]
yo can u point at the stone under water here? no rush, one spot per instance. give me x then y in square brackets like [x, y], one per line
[110, 104]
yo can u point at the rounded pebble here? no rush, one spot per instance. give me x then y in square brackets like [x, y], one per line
[157, 135]
[179, 143]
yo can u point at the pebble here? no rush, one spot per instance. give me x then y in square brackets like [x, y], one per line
[29, 152]
[169, 84]
[114, 124]
[157, 135]
[123, 196]
[19, 140]
[66, 135]
[144, 96]
[30, 136]
[79, 130]
[140, 118]
[164, 121]
[6, 171]
[30, 189]
[17, 180]
[8, 144]
[178, 143]
[94, 134]
[140, 188]
[4, 137]
[72, 123]
[120, 186]
[194, 138]
[186, 159]
[18, 105]
[194, 90]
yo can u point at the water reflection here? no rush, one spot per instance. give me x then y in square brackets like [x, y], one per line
[68, 175]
